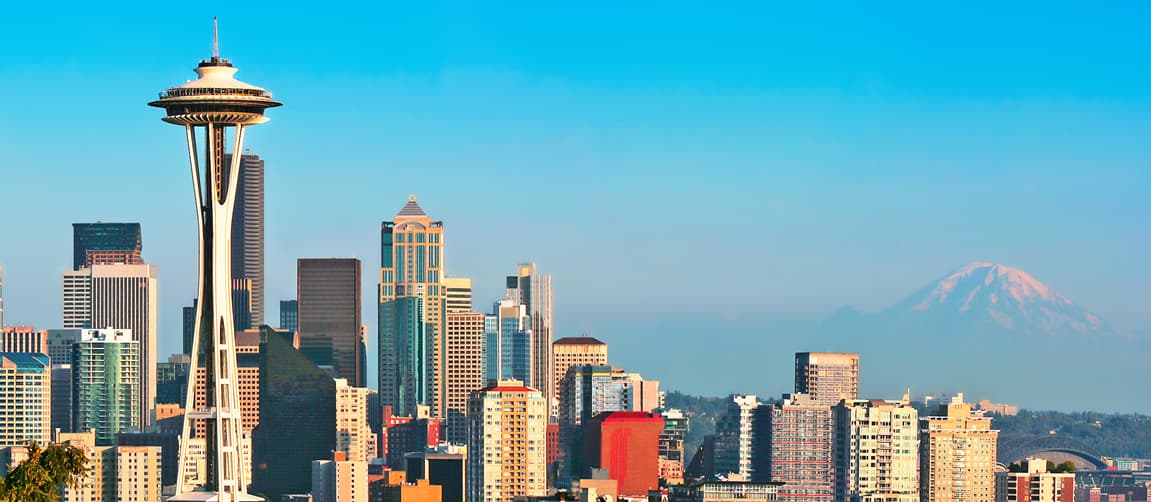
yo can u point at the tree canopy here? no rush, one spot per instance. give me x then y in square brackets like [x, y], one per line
[40, 476]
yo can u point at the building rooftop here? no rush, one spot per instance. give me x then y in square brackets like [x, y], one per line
[411, 208]
[578, 340]
[25, 361]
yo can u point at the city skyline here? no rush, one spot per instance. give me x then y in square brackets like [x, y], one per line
[788, 219]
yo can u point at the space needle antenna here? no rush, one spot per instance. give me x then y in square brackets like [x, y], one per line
[215, 38]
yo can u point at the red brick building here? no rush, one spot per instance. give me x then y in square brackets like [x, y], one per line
[626, 444]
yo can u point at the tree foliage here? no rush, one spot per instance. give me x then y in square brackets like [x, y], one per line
[40, 476]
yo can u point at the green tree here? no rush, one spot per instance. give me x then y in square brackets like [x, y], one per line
[1067, 466]
[39, 478]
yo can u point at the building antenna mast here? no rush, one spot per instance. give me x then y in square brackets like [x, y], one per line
[215, 39]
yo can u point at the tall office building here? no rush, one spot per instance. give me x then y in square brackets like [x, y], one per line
[411, 304]
[62, 397]
[957, 454]
[733, 436]
[77, 300]
[247, 347]
[1036, 484]
[353, 435]
[105, 243]
[125, 297]
[26, 402]
[106, 384]
[827, 377]
[289, 315]
[189, 318]
[172, 380]
[297, 419]
[793, 446]
[533, 290]
[60, 345]
[23, 339]
[463, 368]
[507, 443]
[876, 450]
[574, 351]
[329, 315]
[508, 343]
[248, 232]
[459, 294]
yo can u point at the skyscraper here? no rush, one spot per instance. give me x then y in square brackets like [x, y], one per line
[243, 300]
[77, 301]
[290, 315]
[463, 368]
[106, 384]
[533, 290]
[827, 377]
[506, 443]
[105, 243]
[876, 450]
[214, 103]
[411, 305]
[25, 403]
[671, 440]
[587, 391]
[125, 297]
[459, 294]
[957, 454]
[329, 315]
[508, 343]
[734, 435]
[792, 445]
[248, 231]
[574, 351]
[60, 344]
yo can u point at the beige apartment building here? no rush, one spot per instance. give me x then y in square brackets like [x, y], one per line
[957, 455]
[463, 368]
[876, 450]
[507, 443]
[354, 436]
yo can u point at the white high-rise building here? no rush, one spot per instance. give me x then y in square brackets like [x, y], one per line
[734, 436]
[26, 402]
[77, 303]
[353, 434]
[124, 297]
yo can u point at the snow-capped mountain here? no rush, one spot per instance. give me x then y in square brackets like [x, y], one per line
[988, 295]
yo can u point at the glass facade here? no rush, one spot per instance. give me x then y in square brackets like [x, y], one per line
[94, 238]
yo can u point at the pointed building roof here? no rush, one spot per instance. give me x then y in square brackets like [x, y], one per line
[411, 209]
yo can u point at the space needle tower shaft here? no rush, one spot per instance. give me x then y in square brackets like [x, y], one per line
[215, 110]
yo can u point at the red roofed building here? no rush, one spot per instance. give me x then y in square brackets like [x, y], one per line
[626, 444]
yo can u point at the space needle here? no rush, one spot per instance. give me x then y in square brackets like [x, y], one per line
[215, 110]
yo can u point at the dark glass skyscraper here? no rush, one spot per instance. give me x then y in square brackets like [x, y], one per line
[248, 231]
[297, 419]
[330, 315]
[105, 243]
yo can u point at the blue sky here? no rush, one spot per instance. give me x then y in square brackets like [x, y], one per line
[678, 167]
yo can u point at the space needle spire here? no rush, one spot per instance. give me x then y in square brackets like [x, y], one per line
[215, 110]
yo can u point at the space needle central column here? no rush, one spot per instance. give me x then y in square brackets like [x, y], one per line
[215, 110]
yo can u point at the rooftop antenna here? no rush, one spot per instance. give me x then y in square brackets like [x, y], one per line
[215, 39]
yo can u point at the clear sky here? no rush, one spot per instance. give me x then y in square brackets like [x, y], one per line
[681, 168]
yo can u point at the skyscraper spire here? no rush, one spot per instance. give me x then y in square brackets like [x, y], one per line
[215, 38]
